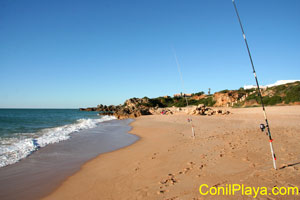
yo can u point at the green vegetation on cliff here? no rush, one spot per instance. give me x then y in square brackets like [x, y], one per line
[282, 94]
[163, 102]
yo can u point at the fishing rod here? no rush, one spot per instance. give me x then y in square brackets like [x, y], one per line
[186, 100]
[262, 126]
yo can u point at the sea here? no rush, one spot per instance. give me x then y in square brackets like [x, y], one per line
[40, 148]
[23, 131]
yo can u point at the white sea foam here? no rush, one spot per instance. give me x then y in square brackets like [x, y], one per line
[14, 149]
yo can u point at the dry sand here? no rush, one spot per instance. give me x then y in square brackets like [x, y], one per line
[166, 163]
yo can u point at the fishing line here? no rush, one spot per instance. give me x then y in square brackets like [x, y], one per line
[262, 126]
[182, 85]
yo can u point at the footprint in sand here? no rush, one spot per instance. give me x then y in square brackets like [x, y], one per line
[186, 170]
[161, 191]
[202, 166]
[191, 163]
[171, 180]
[154, 156]
[137, 169]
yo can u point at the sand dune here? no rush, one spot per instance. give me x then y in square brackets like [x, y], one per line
[166, 163]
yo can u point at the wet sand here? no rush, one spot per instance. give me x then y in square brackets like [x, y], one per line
[166, 163]
[43, 171]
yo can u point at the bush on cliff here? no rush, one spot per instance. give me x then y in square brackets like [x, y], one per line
[198, 93]
[292, 94]
[272, 100]
[163, 102]
[224, 91]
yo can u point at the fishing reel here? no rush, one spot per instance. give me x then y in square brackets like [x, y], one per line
[262, 128]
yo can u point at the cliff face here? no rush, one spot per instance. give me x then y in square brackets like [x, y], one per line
[198, 97]
[229, 98]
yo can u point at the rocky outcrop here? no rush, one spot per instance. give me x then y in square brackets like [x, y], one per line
[107, 109]
[132, 108]
[101, 108]
[226, 99]
[201, 109]
[136, 102]
[135, 107]
[88, 109]
[163, 111]
[127, 112]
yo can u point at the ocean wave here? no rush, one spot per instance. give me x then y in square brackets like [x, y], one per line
[16, 148]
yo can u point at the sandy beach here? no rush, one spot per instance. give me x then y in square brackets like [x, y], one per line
[167, 163]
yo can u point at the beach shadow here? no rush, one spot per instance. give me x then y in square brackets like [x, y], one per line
[289, 165]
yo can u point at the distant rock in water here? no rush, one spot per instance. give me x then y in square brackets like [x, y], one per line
[88, 109]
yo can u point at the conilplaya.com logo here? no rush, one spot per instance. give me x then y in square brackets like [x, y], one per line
[241, 189]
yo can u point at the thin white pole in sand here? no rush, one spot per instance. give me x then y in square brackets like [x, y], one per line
[258, 89]
[186, 100]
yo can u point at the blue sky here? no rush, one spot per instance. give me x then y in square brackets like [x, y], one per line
[79, 53]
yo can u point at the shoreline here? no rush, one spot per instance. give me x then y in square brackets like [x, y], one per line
[167, 164]
[43, 171]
